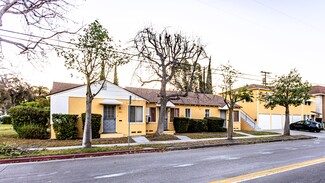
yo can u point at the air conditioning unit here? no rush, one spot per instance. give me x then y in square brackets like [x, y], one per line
[147, 119]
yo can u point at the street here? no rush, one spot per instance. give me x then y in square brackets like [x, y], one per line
[199, 165]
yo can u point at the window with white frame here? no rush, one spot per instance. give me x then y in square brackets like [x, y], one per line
[307, 103]
[207, 113]
[236, 116]
[136, 114]
[187, 112]
[151, 114]
[174, 112]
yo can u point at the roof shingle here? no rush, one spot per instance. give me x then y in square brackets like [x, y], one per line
[60, 87]
[200, 99]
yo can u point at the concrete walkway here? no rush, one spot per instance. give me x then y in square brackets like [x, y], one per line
[140, 139]
[143, 140]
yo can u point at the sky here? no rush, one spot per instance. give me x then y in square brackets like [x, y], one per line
[252, 35]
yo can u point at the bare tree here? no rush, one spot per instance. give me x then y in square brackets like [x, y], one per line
[163, 54]
[43, 15]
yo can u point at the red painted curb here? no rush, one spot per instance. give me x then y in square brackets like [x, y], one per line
[71, 156]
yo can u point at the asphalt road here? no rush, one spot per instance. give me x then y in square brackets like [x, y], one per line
[200, 165]
[313, 173]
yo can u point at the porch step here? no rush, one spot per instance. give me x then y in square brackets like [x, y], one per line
[169, 132]
[111, 135]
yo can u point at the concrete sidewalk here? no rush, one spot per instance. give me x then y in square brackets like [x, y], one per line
[140, 140]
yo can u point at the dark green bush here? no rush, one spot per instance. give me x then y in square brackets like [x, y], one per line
[25, 115]
[95, 124]
[65, 126]
[32, 131]
[6, 120]
[181, 124]
[215, 124]
[197, 125]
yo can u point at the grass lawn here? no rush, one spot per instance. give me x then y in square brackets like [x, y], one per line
[10, 137]
[7, 131]
[258, 133]
[204, 135]
[161, 137]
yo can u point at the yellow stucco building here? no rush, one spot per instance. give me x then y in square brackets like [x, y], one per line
[113, 104]
[261, 118]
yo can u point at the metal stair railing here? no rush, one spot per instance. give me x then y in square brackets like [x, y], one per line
[249, 120]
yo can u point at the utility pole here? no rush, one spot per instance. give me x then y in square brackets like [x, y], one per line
[265, 73]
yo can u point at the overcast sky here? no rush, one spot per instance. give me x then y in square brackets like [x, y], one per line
[254, 35]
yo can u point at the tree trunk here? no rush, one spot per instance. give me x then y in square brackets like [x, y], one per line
[286, 130]
[86, 141]
[162, 113]
[230, 126]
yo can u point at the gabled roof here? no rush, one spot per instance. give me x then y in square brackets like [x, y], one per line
[60, 87]
[257, 86]
[199, 99]
[320, 90]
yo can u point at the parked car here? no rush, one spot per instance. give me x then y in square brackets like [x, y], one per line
[309, 125]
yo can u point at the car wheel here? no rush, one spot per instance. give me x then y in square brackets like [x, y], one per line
[317, 131]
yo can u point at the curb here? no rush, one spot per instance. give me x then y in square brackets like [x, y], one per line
[73, 156]
[233, 143]
[96, 154]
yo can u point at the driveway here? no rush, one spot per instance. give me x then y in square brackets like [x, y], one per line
[296, 132]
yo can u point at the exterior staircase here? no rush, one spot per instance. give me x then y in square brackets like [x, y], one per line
[248, 120]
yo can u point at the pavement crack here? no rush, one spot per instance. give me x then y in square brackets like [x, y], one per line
[3, 169]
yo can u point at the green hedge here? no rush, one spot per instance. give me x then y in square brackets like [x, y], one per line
[6, 120]
[181, 124]
[65, 126]
[25, 115]
[215, 124]
[197, 125]
[32, 131]
[95, 124]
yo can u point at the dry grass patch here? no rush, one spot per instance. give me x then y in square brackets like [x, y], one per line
[258, 133]
[204, 135]
[163, 137]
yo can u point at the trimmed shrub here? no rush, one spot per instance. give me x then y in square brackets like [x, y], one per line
[95, 124]
[65, 126]
[197, 125]
[25, 115]
[181, 124]
[32, 131]
[6, 120]
[215, 124]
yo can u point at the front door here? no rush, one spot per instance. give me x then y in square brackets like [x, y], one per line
[109, 120]
[223, 115]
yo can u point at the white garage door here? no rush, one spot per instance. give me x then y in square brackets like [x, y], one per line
[277, 121]
[264, 121]
[295, 118]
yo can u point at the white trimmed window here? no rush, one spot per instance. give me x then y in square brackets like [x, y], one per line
[136, 114]
[187, 112]
[207, 113]
[236, 116]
